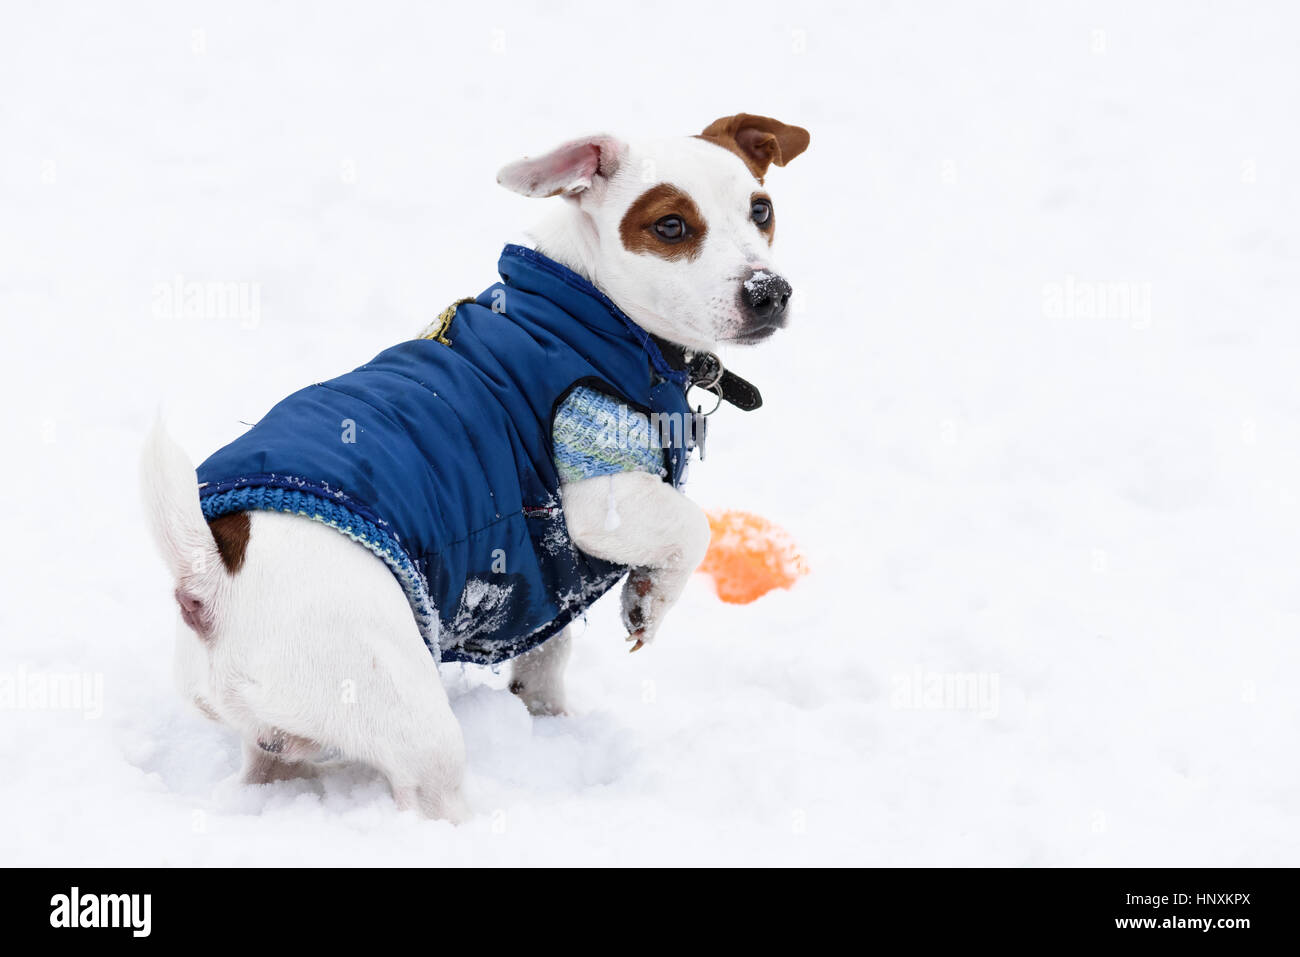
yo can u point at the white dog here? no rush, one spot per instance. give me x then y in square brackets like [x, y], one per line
[302, 641]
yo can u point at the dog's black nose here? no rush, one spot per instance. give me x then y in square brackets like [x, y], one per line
[765, 296]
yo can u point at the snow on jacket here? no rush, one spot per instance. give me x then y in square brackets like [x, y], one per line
[438, 456]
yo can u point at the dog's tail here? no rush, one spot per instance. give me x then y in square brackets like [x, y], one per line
[171, 502]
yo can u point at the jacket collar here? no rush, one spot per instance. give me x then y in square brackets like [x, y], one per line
[528, 269]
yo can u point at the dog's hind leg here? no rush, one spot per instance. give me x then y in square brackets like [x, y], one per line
[394, 715]
[401, 723]
[537, 676]
[317, 650]
[425, 762]
[420, 748]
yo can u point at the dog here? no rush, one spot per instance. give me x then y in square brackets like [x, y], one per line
[476, 462]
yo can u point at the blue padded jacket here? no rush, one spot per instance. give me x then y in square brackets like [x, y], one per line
[437, 456]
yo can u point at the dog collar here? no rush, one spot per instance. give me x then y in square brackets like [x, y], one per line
[704, 369]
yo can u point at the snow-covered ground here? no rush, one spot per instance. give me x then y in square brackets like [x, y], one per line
[1035, 424]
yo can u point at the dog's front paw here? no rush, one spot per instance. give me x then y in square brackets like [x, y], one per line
[643, 606]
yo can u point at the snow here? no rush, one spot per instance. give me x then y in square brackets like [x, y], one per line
[1033, 424]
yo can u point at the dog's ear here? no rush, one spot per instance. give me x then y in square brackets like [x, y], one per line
[758, 140]
[566, 170]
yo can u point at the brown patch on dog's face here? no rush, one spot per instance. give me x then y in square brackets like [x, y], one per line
[664, 222]
[758, 140]
[231, 533]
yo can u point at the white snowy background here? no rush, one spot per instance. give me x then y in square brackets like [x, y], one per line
[1095, 511]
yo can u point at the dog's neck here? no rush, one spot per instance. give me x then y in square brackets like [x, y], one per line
[568, 236]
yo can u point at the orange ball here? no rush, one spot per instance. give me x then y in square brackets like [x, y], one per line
[749, 556]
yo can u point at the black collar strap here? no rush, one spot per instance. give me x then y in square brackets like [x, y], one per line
[705, 370]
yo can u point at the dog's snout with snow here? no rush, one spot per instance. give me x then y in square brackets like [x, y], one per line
[764, 299]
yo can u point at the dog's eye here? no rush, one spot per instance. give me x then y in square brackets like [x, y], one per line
[671, 229]
[761, 212]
